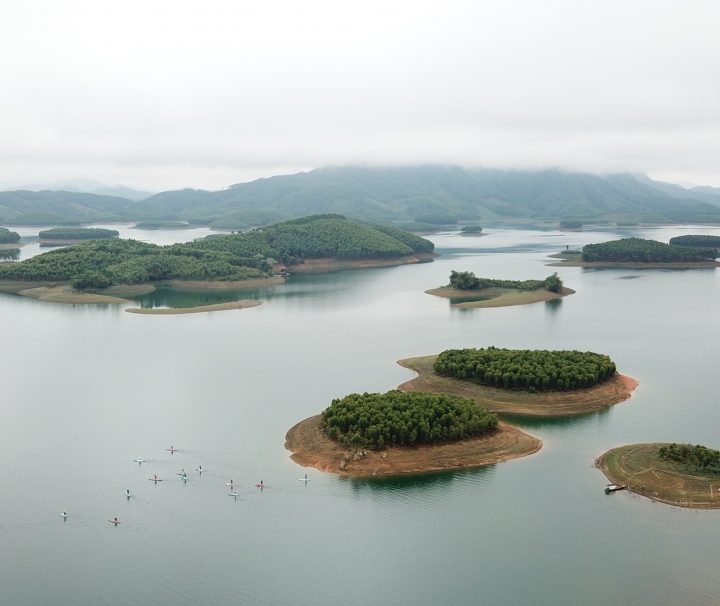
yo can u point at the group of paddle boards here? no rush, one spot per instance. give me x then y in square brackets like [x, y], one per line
[183, 476]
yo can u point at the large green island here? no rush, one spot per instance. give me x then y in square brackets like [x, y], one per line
[397, 433]
[683, 475]
[526, 382]
[466, 290]
[637, 253]
[105, 271]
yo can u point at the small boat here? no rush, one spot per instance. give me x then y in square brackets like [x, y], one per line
[234, 494]
[140, 460]
[155, 479]
[614, 488]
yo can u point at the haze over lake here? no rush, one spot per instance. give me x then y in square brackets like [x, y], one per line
[87, 389]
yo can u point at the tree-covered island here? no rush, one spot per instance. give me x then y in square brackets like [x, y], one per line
[529, 382]
[640, 253]
[63, 236]
[697, 241]
[9, 237]
[399, 432]
[683, 475]
[322, 242]
[466, 290]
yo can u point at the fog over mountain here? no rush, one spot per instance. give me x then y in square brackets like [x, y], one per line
[168, 94]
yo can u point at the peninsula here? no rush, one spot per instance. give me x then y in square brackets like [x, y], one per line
[9, 239]
[637, 253]
[232, 261]
[404, 433]
[465, 290]
[527, 382]
[676, 474]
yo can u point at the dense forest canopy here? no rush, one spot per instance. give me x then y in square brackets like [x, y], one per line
[526, 369]
[471, 229]
[8, 237]
[78, 233]
[319, 236]
[644, 251]
[397, 418]
[97, 263]
[697, 458]
[101, 263]
[467, 280]
[700, 241]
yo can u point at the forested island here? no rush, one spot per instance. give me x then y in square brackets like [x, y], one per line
[640, 253]
[683, 475]
[9, 243]
[398, 432]
[530, 382]
[466, 290]
[697, 241]
[323, 242]
[63, 236]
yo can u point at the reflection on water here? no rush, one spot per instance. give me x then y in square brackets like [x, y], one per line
[418, 484]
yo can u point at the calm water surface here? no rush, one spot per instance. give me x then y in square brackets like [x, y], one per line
[85, 390]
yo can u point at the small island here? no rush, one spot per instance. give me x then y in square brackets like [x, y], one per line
[466, 290]
[527, 382]
[9, 240]
[471, 230]
[94, 270]
[637, 253]
[64, 236]
[682, 475]
[397, 433]
[160, 224]
[697, 241]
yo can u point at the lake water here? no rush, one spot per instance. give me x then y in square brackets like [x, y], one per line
[85, 390]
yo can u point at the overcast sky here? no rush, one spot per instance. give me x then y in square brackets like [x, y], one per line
[167, 94]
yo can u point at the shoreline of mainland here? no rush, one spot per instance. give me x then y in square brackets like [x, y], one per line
[639, 467]
[573, 261]
[497, 297]
[510, 401]
[310, 447]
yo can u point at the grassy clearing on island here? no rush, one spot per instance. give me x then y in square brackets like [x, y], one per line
[496, 297]
[547, 404]
[174, 311]
[645, 473]
[311, 447]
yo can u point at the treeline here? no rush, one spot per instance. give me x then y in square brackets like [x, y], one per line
[467, 280]
[526, 369]
[696, 457]
[78, 233]
[471, 229]
[157, 224]
[396, 418]
[644, 251]
[101, 263]
[319, 236]
[8, 237]
[699, 241]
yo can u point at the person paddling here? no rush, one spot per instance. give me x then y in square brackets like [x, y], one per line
[114, 521]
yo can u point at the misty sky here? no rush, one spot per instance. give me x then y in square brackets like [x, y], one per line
[166, 94]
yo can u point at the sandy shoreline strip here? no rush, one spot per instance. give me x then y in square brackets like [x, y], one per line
[310, 447]
[175, 311]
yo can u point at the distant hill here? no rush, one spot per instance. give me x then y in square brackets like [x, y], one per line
[428, 195]
[90, 186]
[441, 195]
[24, 207]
